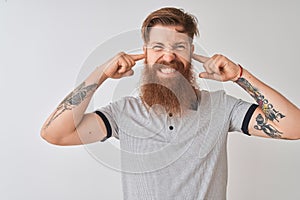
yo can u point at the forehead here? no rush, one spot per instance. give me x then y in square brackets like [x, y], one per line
[171, 34]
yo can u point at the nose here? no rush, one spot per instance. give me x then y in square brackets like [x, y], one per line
[169, 56]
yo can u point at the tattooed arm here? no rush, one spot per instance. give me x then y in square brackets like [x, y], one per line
[275, 115]
[69, 124]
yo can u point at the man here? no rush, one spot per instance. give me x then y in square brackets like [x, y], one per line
[173, 135]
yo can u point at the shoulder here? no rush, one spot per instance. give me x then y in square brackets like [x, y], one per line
[127, 104]
[219, 94]
[219, 98]
[127, 100]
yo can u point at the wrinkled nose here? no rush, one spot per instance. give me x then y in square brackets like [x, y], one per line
[168, 56]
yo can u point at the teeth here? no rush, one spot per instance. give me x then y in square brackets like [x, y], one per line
[167, 70]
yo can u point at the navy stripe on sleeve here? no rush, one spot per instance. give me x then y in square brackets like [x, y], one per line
[107, 124]
[247, 118]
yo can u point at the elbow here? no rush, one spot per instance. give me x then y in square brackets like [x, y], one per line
[293, 137]
[52, 140]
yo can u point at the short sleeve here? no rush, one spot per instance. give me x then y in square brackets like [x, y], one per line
[239, 110]
[109, 115]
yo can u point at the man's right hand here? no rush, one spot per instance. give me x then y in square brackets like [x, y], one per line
[121, 65]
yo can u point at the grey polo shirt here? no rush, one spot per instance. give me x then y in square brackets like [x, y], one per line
[170, 157]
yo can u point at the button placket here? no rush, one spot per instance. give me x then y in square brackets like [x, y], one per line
[170, 122]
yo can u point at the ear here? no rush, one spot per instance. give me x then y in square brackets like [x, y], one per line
[192, 48]
[145, 49]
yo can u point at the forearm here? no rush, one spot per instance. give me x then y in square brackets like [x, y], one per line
[279, 118]
[276, 116]
[70, 123]
[69, 113]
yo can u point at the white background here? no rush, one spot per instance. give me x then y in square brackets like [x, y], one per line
[43, 45]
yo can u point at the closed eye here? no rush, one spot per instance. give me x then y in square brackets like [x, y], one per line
[180, 47]
[157, 47]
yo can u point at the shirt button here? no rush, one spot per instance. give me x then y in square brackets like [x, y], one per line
[170, 114]
[171, 127]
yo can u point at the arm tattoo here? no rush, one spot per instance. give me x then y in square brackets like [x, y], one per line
[266, 107]
[73, 99]
[266, 128]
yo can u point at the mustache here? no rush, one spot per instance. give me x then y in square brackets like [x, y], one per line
[175, 64]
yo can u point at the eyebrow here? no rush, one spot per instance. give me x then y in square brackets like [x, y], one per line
[159, 43]
[176, 43]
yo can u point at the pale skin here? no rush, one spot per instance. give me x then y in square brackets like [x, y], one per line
[74, 126]
[69, 124]
[220, 68]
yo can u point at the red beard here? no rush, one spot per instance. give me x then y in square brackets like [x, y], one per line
[175, 94]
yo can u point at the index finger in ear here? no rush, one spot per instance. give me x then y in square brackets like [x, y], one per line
[137, 57]
[200, 58]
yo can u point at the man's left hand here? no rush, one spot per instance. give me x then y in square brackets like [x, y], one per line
[218, 67]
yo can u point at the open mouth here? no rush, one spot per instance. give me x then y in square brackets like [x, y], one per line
[167, 70]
